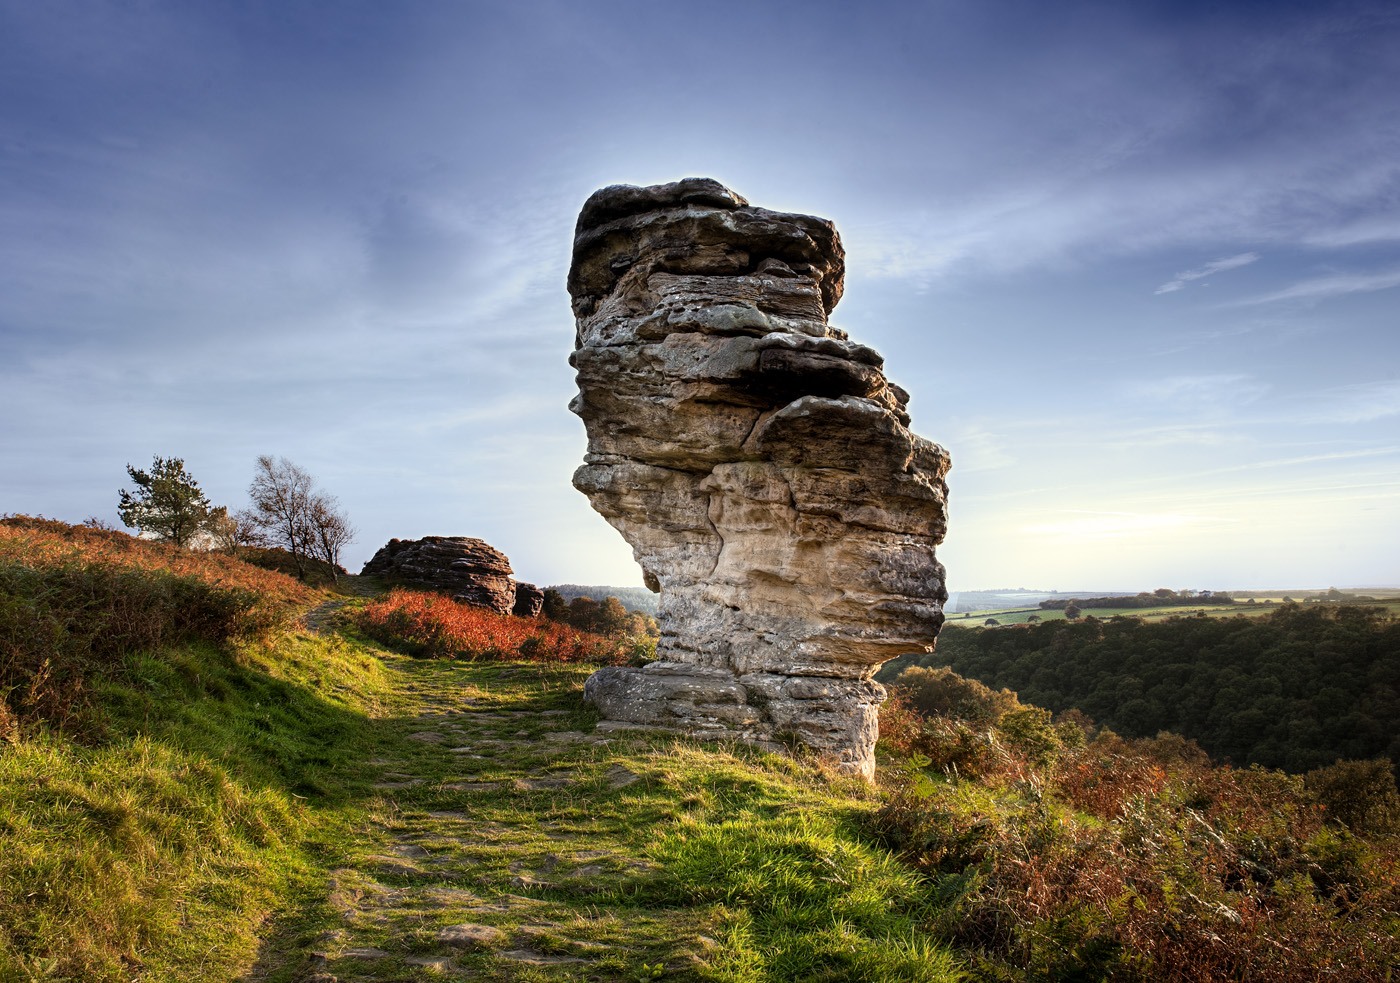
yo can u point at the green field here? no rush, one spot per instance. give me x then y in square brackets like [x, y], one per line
[1251, 604]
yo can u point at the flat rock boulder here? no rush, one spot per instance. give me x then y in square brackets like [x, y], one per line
[469, 570]
[760, 465]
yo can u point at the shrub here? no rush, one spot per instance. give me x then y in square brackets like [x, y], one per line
[900, 725]
[964, 728]
[943, 693]
[1358, 794]
[431, 625]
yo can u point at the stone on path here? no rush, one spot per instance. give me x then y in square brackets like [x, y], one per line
[364, 953]
[619, 776]
[532, 958]
[470, 936]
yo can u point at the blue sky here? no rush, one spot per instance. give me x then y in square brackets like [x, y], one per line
[1138, 264]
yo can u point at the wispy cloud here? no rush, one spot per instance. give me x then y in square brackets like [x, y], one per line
[1295, 463]
[1213, 389]
[1323, 287]
[1363, 403]
[1210, 269]
[975, 449]
[1371, 229]
[1174, 435]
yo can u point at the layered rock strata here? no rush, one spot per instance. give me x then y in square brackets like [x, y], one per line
[759, 464]
[470, 570]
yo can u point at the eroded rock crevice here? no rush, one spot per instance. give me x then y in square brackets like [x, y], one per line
[760, 465]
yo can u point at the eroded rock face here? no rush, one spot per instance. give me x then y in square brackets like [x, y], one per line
[471, 570]
[760, 466]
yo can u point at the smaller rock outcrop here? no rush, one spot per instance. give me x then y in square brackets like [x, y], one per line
[529, 600]
[471, 570]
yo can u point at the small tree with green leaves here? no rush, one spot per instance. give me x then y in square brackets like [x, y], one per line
[555, 607]
[167, 502]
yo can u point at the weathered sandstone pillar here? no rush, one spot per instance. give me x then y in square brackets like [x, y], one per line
[759, 464]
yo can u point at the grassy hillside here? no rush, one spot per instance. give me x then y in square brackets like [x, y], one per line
[288, 801]
[174, 757]
[267, 796]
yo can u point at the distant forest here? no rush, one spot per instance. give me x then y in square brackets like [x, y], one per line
[1161, 597]
[1295, 689]
[633, 598]
[1166, 597]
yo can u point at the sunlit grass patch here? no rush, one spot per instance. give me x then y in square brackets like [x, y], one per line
[813, 902]
[116, 853]
[159, 851]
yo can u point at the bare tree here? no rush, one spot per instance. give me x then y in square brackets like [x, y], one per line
[232, 532]
[282, 494]
[292, 514]
[331, 530]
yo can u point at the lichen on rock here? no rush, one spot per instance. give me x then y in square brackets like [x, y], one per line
[759, 464]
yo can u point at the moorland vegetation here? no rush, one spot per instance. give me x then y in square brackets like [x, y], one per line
[1067, 852]
[209, 770]
[433, 625]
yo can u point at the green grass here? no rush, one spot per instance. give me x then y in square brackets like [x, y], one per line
[316, 806]
[320, 803]
[642, 857]
[159, 852]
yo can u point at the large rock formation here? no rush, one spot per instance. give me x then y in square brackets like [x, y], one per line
[471, 570]
[760, 466]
